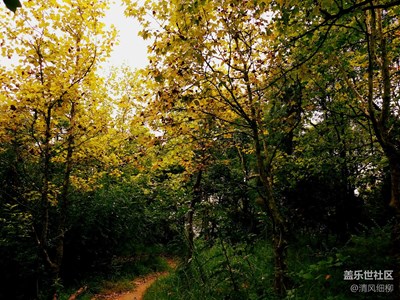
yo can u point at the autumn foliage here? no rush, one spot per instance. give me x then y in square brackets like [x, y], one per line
[258, 132]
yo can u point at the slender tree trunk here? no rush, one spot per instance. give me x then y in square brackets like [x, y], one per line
[248, 218]
[46, 156]
[64, 197]
[380, 121]
[279, 232]
[189, 227]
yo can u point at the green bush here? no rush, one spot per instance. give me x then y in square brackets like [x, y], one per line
[320, 275]
[221, 272]
[241, 271]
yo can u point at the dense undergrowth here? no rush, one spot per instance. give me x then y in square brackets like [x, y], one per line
[242, 271]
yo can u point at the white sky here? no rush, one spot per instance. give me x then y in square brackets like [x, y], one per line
[132, 49]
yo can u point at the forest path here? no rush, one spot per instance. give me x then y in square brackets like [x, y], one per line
[141, 283]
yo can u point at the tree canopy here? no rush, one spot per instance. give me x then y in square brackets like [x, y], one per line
[259, 132]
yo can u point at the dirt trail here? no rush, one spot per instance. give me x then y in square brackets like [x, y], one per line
[141, 285]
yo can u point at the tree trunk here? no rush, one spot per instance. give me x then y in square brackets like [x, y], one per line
[381, 118]
[189, 230]
[279, 232]
[64, 197]
[248, 217]
[45, 157]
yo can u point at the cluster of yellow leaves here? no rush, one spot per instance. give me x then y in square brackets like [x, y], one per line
[209, 66]
[52, 99]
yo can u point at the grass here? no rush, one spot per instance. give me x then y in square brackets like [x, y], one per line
[246, 272]
[219, 272]
[120, 277]
[320, 274]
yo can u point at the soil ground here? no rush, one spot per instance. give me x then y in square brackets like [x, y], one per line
[141, 285]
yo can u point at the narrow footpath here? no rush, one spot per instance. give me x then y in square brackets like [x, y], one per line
[141, 283]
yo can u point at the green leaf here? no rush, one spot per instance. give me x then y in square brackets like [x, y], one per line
[12, 4]
[159, 78]
[307, 276]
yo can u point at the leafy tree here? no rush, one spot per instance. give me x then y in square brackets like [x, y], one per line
[214, 59]
[360, 38]
[56, 111]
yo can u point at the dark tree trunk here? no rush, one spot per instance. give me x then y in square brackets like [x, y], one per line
[381, 119]
[64, 197]
[189, 227]
[279, 232]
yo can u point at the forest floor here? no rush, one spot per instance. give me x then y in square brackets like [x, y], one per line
[141, 284]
